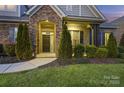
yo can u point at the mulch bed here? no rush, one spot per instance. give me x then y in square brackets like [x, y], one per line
[7, 60]
[103, 60]
[63, 62]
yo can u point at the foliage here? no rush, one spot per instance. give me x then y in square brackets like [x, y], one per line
[23, 45]
[112, 47]
[27, 48]
[78, 51]
[121, 49]
[1, 48]
[101, 53]
[19, 43]
[121, 55]
[65, 44]
[122, 41]
[9, 49]
[91, 50]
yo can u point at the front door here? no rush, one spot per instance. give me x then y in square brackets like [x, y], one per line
[46, 43]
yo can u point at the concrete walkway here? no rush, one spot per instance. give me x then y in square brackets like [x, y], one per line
[22, 66]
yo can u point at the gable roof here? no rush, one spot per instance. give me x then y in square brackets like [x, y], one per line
[85, 11]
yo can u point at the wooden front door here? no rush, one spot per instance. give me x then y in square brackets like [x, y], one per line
[46, 43]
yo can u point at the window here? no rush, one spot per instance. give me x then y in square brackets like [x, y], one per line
[106, 37]
[75, 38]
[8, 7]
[68, 7]
[13, 34]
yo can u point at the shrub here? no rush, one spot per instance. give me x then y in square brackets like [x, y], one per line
[121, 49]
[112, 47]
[9, 49]
[91, 50]
[121, 55]
[78, 51]
[19, 47]
[65, 44]
[101, 53]
[26, 43]
[122, 41]
[23, 45]
[1, 48]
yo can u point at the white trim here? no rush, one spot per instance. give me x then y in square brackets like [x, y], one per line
[80, 9]
[92, 11]
[28, 12]
[13, 20]
[35, 10]
[19, 10]
[99, 12]
[59, 10]
[55, 8]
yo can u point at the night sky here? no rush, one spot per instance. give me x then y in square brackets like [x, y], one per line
[111, 12]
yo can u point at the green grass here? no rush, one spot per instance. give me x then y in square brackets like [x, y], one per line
[73, 75]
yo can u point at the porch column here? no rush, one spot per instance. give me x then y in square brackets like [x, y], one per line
[95, 29]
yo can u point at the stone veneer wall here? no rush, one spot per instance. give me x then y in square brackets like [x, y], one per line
[44, 13]
[4, 32]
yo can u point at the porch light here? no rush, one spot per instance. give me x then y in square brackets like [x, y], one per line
[88, 26]
[46, 20]
[85, 54]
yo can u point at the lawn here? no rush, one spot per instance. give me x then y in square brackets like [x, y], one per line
[72, 75]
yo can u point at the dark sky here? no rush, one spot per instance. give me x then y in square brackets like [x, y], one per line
[111, 12]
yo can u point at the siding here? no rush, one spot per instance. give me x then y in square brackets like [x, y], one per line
[9, 13]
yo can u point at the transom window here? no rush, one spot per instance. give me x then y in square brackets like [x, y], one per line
[8, 7]
[68, 7]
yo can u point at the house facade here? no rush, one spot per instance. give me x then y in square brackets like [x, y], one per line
[45, 25]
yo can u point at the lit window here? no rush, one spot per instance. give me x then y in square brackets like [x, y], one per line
[106, 38]
[68, 7]
[75, 36]
[13, 34]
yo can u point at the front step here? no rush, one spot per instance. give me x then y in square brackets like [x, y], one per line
[46, 55]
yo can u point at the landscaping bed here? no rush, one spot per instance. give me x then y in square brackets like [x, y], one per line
[8, 59]
[65, 62]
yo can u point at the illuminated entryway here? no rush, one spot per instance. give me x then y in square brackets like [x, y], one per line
[46, 39]
[80, 33]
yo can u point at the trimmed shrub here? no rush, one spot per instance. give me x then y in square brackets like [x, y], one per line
[26, 43]
[23, 45]
[121, 49]
[65, 44]
[78, 51]
[112, 47]
[121, 55]
[122, 41]
[10, 49]
[19, 43]
[101, 53]
[91, 50]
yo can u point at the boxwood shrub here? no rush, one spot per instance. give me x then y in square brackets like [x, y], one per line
[78, 51]
[91, 50]
[9, 49]
[121, 55]
[121, 49]
[101, 53]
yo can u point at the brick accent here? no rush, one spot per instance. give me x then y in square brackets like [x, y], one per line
[44, 13]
